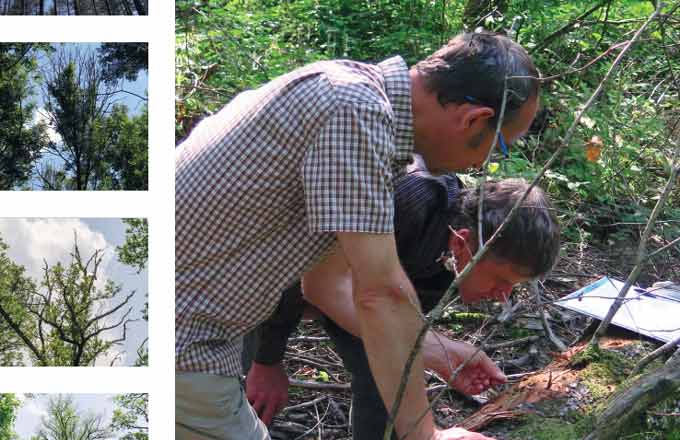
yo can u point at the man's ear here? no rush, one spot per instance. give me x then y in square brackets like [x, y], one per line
[477, 116]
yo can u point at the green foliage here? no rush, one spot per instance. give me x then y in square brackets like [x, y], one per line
[64, 421]
[15, 291]
[322, 376]
[263, 40]
[9, 405]
[21, 141]
[130, 417]
[100, 146]
[662, 420]
[135, 251]
[82, 139]
[599, 197]
[62, 322]
[73, 299]
[125, 164]
[123, 60]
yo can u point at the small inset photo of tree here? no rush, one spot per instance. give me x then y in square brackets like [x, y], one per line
[74, 7]
[74, 416]
[73, 116]
[73, 292]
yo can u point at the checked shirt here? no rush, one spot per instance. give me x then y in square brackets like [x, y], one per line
[262, 186]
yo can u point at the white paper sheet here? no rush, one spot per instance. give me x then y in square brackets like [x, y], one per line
[651, 312]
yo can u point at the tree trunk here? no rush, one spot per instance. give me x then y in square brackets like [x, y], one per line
[623, 413]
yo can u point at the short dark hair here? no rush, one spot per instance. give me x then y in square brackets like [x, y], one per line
[531, 240]
[475, 64]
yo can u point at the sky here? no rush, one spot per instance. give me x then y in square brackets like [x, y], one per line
[134, 104]
[34, 408]
[32, 240]
[138, 87]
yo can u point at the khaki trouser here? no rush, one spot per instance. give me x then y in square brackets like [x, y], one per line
[211, 407]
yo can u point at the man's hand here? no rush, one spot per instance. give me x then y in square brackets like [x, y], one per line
[267, 390]
[459, 434]
[443, 356]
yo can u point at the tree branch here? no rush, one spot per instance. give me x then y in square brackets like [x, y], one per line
[436, 312]
[640, 258]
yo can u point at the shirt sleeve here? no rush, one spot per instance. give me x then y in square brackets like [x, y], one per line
[347, 174]
[272, 335]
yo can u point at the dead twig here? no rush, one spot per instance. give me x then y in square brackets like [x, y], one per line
[666, 348]
[512, 343]
[309, 339]
[304, 404]
[557, 342]
[567, 27]
[319, 385]
[640, 258]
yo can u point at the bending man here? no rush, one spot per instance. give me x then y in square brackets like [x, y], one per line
[434, 217]
[295, 181]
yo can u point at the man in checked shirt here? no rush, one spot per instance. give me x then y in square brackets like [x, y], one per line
[295, 180]
[434, 217]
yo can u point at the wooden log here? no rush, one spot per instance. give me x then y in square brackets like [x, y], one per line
[623, 413]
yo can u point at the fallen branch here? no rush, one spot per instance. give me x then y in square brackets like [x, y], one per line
[512, 343]
[623, 413]
[304, 404]
[437, 311]
[557, 342]
[311, 361]
[666, 348]
[674, 356]
[662, 414]
[309, 339]
[319, 385]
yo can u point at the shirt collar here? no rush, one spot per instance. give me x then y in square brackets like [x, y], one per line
[398, 88]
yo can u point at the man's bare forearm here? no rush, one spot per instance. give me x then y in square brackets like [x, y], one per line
[390, 324]
[337, 303]
[387, 310]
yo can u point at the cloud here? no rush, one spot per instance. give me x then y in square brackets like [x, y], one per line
[29, 415]
[33, 409]
[31, 241]
[40, 116]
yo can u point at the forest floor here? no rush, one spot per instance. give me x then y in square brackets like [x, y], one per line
[549, 395]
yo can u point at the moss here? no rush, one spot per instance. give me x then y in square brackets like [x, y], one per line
[535, 427]
[587, 356]
[603, 372]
